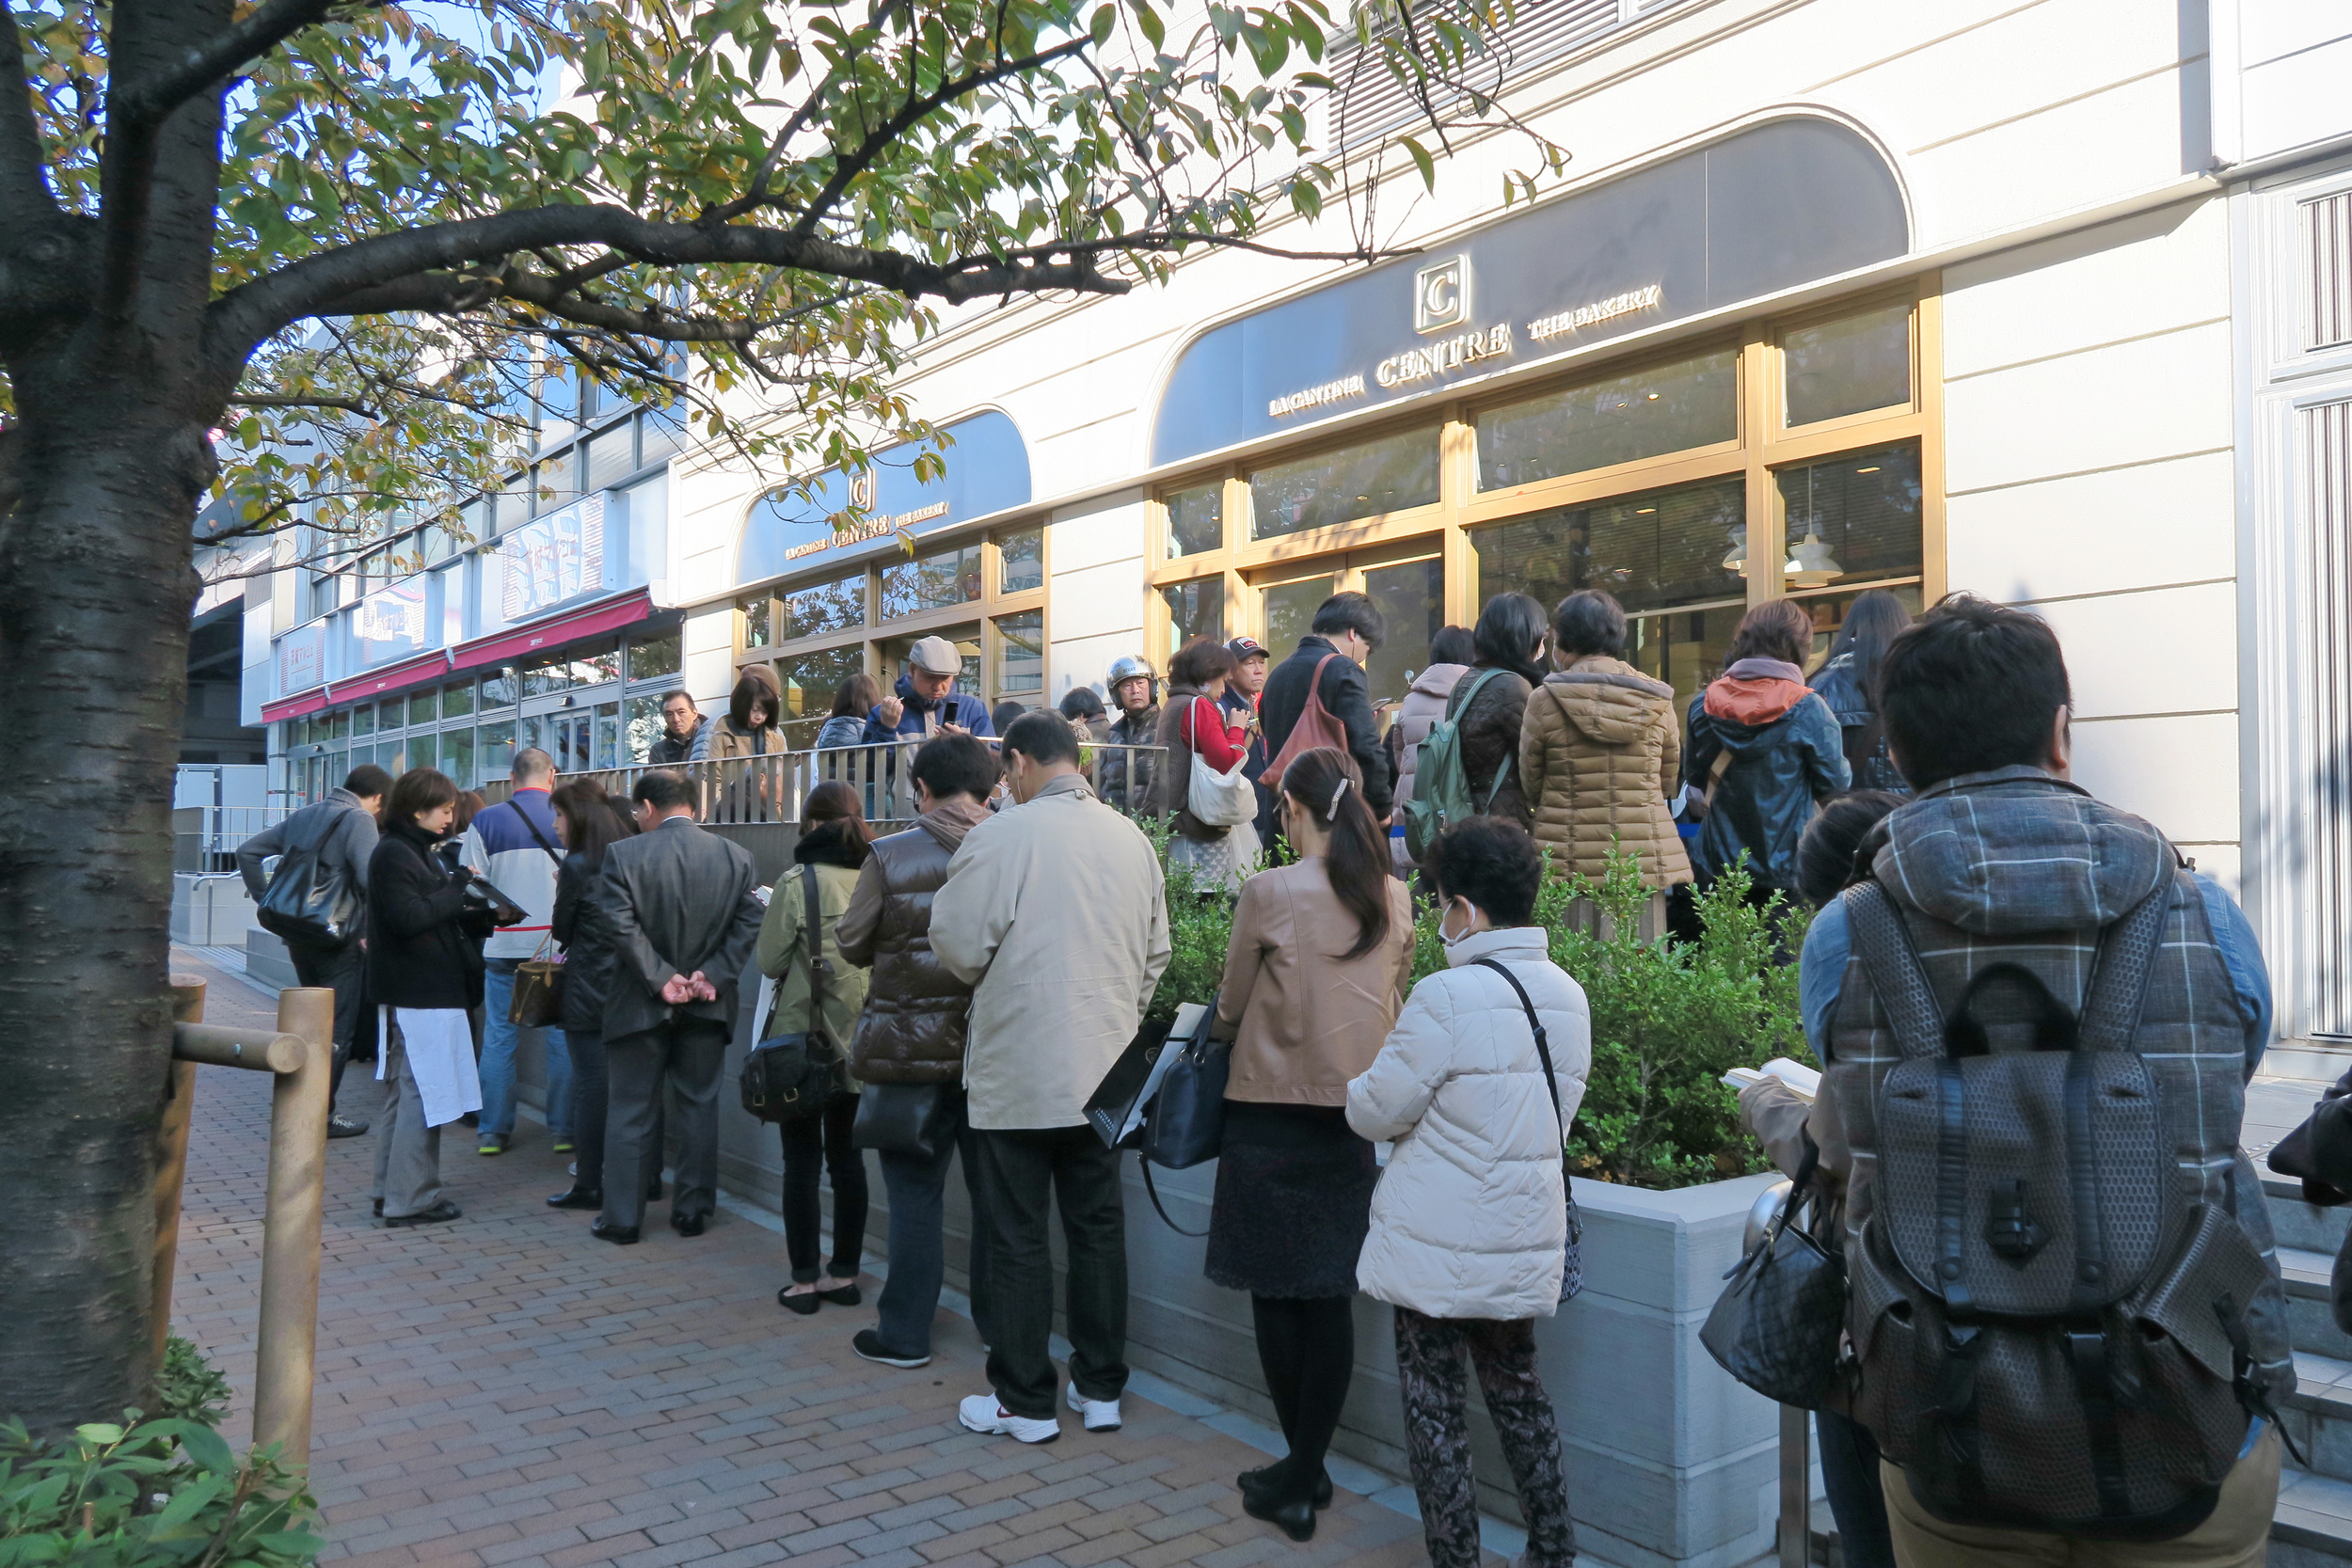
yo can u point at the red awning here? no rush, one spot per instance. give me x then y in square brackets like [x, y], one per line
[611, 616]
[431, 667]
[294, 707]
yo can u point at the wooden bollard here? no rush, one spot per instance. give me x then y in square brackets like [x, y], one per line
[288, 1334]
[171, 1161]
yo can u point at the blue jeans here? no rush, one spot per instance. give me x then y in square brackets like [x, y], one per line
[918, 1241]
[498, 1059]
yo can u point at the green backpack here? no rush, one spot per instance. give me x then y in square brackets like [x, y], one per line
[1441, 789]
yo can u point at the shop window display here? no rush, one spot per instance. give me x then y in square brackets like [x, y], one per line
[1853, 519]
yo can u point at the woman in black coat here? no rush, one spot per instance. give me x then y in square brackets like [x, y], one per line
[425, 925]
[587, 821]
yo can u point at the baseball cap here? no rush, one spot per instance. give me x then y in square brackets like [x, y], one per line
[1247, 647]
[937, 656]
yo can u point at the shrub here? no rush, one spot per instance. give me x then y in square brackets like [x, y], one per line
[188, 1387]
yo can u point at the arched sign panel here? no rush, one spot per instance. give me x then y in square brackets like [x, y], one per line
[1772, 207]
[988, 470]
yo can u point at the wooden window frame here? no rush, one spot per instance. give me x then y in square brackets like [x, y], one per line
[1764, 445]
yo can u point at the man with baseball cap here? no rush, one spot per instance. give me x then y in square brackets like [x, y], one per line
[925, 702]
[1241, 698]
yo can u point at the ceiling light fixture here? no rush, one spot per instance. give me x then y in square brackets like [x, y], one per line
[1810, 564]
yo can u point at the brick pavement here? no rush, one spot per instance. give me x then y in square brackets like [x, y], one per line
[503, 1390]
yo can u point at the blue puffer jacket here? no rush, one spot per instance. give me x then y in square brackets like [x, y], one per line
[957, 707]
[1787, 753]
[1839, 684]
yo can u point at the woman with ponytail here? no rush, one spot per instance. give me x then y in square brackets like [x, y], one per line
[1314, 976]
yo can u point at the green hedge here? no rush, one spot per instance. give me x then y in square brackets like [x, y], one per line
[1669, 1017]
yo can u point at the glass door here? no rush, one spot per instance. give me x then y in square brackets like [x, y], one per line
[1410, 594]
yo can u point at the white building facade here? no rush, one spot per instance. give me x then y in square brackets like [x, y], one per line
[2047, 301]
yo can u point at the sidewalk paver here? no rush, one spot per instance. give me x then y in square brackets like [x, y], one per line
[504, 1390]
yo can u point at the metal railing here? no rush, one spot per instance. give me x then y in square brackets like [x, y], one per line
[205, 838]
[744, 791]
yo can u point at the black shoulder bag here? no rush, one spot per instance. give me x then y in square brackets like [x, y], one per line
[309, 903]
[1572, 1267]
[789, 1077]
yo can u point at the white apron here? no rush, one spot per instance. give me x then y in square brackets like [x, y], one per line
[439, 1042]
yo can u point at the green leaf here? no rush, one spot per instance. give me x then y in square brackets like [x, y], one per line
[1422, 161]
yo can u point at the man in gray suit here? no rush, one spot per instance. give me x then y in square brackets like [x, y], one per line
[679, 909]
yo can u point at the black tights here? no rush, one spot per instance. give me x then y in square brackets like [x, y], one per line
[1308, 1351]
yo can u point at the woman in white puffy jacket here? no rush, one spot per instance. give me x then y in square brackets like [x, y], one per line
[1469, 1221]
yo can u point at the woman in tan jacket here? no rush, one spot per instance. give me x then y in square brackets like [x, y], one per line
[1313, 977]
[1599, 753]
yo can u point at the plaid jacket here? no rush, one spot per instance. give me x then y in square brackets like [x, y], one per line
[2016, 866]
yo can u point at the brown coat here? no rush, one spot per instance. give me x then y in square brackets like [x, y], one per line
[1308, 1020]
[1599, 754]
[1490, 724]
[913, 1028]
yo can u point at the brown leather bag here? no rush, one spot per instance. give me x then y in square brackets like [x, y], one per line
[1315, 727]
[538, 1001]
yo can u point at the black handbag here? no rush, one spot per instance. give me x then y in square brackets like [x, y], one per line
[1184, 1125]
[789, 1077]
[308, 903]
[1572, 1260]
[1777, 1325]
[903, 1119]
[1111, 1108]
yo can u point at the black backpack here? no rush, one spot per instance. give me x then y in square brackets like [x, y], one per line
[2050, 1334]
[309, 903]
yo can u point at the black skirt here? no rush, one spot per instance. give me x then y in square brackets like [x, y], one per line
[1292, 1204]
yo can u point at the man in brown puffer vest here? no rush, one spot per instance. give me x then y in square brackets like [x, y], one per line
[913, 1031]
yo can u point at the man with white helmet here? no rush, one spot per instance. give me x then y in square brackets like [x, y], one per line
[1135, 700]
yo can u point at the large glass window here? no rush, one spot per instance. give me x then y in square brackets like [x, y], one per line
[607, 734]
[494, 752]
[610, 457]
[931, 582]
[1333, 487]
[1289, 609]
[499, 686]
[1195, 609]
[641, 726]
[421, 706]
[1682, 550]
[1022, 556]
[1853, 519]
[1646, 413]
[1848, 365]
[596, 665]
[423, 753]
[1411, 597]
[1021, 655]
[654, 656]
[457, 757]
[757, 633]
[1196, 519]
[457, 700]
[809, 681]
[823, 606]
[363, 720]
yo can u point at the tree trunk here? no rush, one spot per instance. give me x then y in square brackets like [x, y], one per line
[95, 596]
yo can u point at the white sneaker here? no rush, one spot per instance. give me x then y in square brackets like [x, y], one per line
[981, 1412]
[1101, 1415]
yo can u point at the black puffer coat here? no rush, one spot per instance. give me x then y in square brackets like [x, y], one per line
[587, 953]
[425, 948]
[913, 1028]
[1490, 725]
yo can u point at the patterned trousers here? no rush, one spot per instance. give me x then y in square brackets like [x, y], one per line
[1437, 1434]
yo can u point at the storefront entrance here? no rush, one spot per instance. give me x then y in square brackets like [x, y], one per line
[1406, 581]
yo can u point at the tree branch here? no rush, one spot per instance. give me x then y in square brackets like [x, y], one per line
[270, 399]
[430, 261]
[24, 193]
[266, 26]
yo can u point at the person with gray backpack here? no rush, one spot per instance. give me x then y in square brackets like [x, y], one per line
[2064, 1323]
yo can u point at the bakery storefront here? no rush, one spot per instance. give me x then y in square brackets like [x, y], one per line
[941, 554]
[1790, 454]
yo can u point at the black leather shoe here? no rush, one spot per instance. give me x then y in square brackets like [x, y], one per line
[1257, 1481]
[379, 1208]
[689, 1224]
[619, 1235]
[442, 1210]
[578, 1198]
[805, 1303]
[1296, 1518]
[843, 1293]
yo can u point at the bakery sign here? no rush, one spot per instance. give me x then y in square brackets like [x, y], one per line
[1441, 299]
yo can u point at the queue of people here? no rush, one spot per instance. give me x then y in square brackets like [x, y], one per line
[981, 970]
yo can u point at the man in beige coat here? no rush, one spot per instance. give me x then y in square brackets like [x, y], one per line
[1055, 913]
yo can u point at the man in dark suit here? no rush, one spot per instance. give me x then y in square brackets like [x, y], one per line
[1350, 626]
[679, 909]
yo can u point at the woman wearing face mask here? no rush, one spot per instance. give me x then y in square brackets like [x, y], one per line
[425, 926]
[1469, 1237]
[1314, 976]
